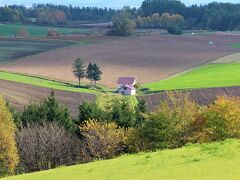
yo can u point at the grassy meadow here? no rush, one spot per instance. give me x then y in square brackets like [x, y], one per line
[210, 75]
[219, 160]
[8, 30]
[46, 83]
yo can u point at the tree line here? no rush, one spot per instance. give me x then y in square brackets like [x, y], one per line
[213, 16]
[53, 14]
[45, 136]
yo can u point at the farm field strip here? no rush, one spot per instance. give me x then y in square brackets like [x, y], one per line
[227, 59]
[195, 161]
[15, 48]
[8, 30]
[210, 75]
[203, 96]
[20, 95]
[237, 45]
[44, 82]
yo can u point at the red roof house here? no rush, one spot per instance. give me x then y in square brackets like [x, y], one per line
[126, 85]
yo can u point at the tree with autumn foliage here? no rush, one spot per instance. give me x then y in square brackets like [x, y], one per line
[8, 151]
[103, 140]
[220, 120]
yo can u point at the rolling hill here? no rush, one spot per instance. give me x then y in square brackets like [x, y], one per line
[218, 160]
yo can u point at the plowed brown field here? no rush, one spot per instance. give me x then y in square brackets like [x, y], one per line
[149, 58]
[200, 96]
[20, 95]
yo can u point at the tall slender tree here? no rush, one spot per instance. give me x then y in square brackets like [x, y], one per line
[90, 72]
[78, 69]
[96, 73]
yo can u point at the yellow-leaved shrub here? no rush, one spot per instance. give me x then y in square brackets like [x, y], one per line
[220, 120]
[103, 140]
[8, 151]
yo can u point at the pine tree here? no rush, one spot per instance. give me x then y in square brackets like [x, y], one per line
[50, 110]
[90, 72]
[78, 70]
[96, 73]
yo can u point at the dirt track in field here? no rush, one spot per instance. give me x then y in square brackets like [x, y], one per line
[200, 96]
[20, 95]
[149, 58]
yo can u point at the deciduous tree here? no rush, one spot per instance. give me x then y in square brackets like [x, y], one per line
[78, 69]
[8, 151]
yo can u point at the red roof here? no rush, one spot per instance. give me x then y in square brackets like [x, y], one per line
[126, 80]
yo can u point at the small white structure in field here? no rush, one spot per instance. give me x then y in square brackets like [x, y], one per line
[126, 85]
[211, 43]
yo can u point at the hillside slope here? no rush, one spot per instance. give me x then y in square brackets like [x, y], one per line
[207, 161]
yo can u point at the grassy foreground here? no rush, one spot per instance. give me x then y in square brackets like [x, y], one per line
[46, 83]
[207, 161]
[211, 75]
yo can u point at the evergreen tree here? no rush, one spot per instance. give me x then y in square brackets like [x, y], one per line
[78, 70]
[88, 111]
[96, 73]
[50, 110]
[141, 110]
[90, 72]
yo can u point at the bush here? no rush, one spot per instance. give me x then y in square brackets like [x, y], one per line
[124, 111]
[103, 140]
[221, 120]
[175, 30]
[122, 24]
[170, 125]
[88, 111]
[8, 151]
[50, 110]
[22, 32]
[135, 142]
[47, 146]
[53, 33]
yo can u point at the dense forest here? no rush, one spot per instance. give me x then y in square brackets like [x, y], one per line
[53, 14]
[213, 16]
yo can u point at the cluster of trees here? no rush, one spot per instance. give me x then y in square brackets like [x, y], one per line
[53, 14]
[93, 72]
[213, 16]
[53, 17]
[123, 25]
[44, 136]
[160, 21]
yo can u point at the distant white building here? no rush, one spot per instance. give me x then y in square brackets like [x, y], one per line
[211, 43]
[126, 85]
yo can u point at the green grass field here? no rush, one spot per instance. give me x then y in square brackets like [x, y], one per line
[235, 45]
[211, 75]
[12, 48]
[207, 161]
[8, 30]
[47, 83]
